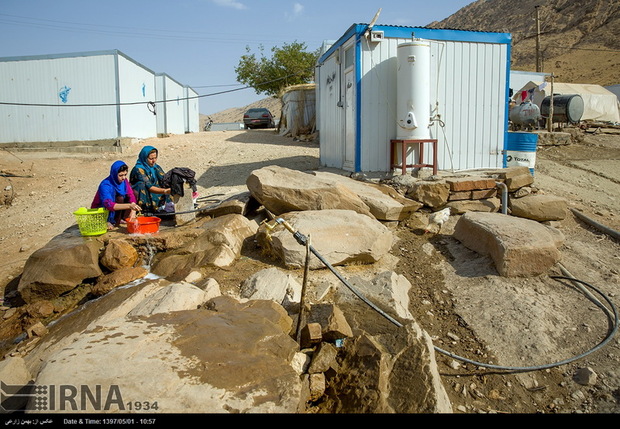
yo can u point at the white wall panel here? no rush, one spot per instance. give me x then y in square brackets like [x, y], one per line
[136, 85]
[59, 86]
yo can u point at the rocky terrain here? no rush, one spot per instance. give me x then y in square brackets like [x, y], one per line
[578, 40]
[457, 295]
[564, 350]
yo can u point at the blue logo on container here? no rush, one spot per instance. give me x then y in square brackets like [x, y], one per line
[64, 93]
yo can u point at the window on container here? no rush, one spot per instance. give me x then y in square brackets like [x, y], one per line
[348, 57]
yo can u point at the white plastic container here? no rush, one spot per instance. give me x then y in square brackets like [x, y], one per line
[413, 82]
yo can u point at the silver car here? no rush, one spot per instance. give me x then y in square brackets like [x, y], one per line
[258, 118]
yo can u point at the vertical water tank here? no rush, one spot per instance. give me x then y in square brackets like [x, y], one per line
[413, 83]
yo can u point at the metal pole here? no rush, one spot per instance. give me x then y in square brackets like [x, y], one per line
[538, 65]
[550, 118]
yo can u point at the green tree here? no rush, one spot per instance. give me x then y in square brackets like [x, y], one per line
[289, 65]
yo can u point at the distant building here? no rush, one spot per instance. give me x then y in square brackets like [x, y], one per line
[467, 94]
[99, 98]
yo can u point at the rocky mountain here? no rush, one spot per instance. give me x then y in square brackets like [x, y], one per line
[579, 41]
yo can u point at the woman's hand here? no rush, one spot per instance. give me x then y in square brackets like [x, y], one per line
[135, 207]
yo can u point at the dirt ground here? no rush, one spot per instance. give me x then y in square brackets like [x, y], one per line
[535, 333]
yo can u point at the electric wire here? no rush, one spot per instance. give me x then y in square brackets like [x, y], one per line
[150, 103]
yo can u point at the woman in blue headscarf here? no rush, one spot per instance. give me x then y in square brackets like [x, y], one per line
[115, 195]
[146, 180]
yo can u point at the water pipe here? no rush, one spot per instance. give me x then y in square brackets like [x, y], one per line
[611, 311]
[504, 188]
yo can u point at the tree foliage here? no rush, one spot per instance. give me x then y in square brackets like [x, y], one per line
[289, 65]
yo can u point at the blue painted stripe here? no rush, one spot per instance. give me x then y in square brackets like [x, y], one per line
[443, 34]
[358, 104]
[507, 101]
[422, 33]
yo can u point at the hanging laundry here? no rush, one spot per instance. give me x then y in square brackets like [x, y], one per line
[175, 178]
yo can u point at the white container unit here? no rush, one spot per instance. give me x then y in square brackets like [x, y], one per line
[191, 110]
[170, 106]
[74, 98]
[362, 106]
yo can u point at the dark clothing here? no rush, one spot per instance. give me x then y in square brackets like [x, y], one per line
[122, 214]
[143, 177]
[175, 178]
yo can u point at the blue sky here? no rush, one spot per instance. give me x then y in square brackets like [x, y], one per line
[196, 42]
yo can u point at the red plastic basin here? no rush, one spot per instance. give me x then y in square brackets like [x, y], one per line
[143, 225]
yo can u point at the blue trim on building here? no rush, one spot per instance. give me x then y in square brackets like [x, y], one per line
[358, 103]
[443, 34]
[507, 111]
[422, 33]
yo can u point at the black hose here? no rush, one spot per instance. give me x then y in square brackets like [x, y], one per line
[551, 365]
[202, 199]
[301, 239]
[611, 232]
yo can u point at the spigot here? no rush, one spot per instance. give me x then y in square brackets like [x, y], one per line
[268, 227]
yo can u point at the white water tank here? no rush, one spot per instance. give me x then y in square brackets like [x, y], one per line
[413, 81]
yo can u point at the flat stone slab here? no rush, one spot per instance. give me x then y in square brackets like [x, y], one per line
[519, 247]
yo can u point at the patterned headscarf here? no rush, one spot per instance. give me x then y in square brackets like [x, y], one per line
[143, 160]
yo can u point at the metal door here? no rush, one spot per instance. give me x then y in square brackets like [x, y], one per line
[350, 109]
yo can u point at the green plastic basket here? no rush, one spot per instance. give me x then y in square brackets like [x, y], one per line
[92, 222]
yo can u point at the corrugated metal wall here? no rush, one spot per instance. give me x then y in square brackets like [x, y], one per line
[191, 110]
[58, 85]
[136, 85]
[469, 85]
[89, 96]
[169, 105]
[330, 116]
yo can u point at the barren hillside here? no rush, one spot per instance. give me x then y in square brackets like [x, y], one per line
[579, 42]
[235, 114]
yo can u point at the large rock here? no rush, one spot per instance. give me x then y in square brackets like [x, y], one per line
[340, 236]
[282, 190]
[236, 204]
[399, 377]
[117, 278]
[172, 362]
[218, 244]
[539, 207]
[272, 284]
[431, 194]
[59, 267]
[489, 205]
[384, 202]
[118, 254]
[388, 290]
[518, 247]
[175, 297]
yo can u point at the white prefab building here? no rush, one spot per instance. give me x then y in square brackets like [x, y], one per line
[93, 98]
[191, 111]
[378, 84]
[171, 105]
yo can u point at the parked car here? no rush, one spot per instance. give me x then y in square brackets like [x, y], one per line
[258, 117]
